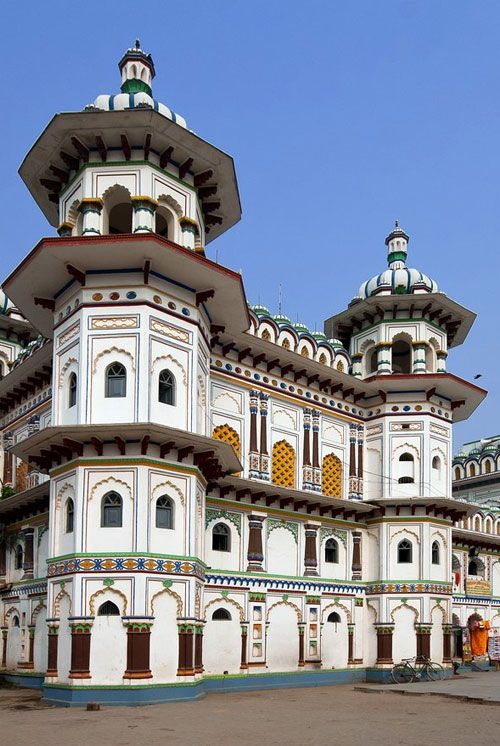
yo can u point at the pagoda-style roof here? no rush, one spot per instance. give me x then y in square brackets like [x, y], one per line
[476, 538]
[25, 504]
[447, 507]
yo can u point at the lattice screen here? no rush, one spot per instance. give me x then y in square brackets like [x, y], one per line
[228, 435]
[332, 476]
[283, 464]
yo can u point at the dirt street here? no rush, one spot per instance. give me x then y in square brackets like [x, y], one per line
[293, 717]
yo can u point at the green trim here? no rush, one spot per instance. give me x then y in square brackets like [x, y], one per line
[413, 582]
[84, 461]
[397, 256]
[409, 519]
[136, 86]
[306, 578]
[122, 554]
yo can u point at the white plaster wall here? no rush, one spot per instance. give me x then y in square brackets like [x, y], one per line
[334, 641]
[495, 578]
[404, 570]
[222, 560]
[281, 552]
[282, 639]
[404, 641]
[41, 555]
[64, 642]
[97, 538]
[13, 644]
[335, 570]
[222, 642]
[176, 360]
[164, 540]
[41, 642]
[370, 637]
[108, 648]
[437, 635]
[105, 351]
[164, 649]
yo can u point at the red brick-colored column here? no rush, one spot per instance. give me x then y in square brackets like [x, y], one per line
[5, 631]
[255, 555]
[29, 534]
[53, 640]
[80, 649]
[186, 649]
[447, 643]
[254, 455]
[198, 649]
[423, 640]
[310, 552]
[302, 630]
[138, 643]
[244, 639]
[264, 456]
[356, 555]
[350, 638]
[384, 642]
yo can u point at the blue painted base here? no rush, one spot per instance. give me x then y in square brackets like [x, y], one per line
[26, 680]
[142, 694]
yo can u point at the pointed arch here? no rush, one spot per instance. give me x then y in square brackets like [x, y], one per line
[123, 602]
[227, 434]
[283, 464]
[226, 599]
[337, 605]
[405, 606]
[57, 603]
[168, 592]
[285, 602]
[331, 480]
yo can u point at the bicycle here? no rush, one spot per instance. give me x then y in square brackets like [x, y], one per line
[416, 669]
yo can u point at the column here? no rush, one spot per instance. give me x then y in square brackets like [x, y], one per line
[244, 642]
[446, 643]
[31, 648]
[189, 228]
[81, 629]
[307, 472]
[65, 229]
[264, 456]
[198, 649]
[384, 642]
[8, 442]
[310, 554]
[5, 631]
[384, 362]
[419, 363]
[353, 481]
[138, 643]
[423, 640]
[186, 632]
[356, 555]
[91, 209]
[315, 454]
[357, 366]
[301, 645]
[29, 534]
[144, 210]
[350, 649]
[53, 640]
[254, 456]
[441, 361]
[360, 460]
[3, 559]
[255, 555]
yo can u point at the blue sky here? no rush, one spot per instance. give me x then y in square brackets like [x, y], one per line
[341, 117]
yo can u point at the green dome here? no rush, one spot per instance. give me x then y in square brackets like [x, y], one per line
[281, 319]
[301, 328]
[260, 310]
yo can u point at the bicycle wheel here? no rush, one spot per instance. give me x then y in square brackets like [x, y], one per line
[402, 673]
[433, 671]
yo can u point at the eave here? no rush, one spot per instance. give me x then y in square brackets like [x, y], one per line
[475, 538]
[25, 503]
[452, 510]
[31, 374]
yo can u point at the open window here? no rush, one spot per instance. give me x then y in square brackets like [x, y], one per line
[166, 387]
[435, 552]
[405, 552]
[401, 357]
[70, 515]
[406, 468]
[112, 510]
[164, 512]
[116, 381]
[72, 388]
[108, 608]
[221, 615]
[331, 551]
[221, 538]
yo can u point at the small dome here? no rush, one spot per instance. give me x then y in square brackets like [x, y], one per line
[281, 319]
[335, 342]
[319, 336]
[474, 452]
[461, 456]
[302, 328]
[261, 310]
[490, 448]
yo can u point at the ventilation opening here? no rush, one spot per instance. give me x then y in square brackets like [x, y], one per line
[401, 357]
[120, 218]
[108, 608]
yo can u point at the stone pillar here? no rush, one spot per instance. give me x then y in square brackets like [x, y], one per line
[419, 363]
[310, 554]
[8, 442]
[189, 228]
[254, 456]
[441, 361]
[315, 453]
[356, 555]
[384, 642]
[350, 638]
[81, 630]
[31, 648]
[143, 218]
[302, 629]
[357, 364]
[138, 643]
[91, 209]
[65, 229]
[3, 560]
[360, 460]
[384, 362]
[187, 631]
[446, 643]
[5, 631]
[264, 456]
[353, 480]
[255, 555]
[29, 534]
[198, 649]
[423, 640]
[307, 472]
[53, 640]
[244, 642]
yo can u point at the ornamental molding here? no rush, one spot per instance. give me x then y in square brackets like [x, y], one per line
[68, 334]
[440, 535]
[170, 485]
[285, 602]
[10, 612]
[36, 611]
[442, 610]
[212, 514]
[168, 592]
[172, 360]
[370, 606]
[405, 605]
[405, 531]
[168, 330]
[326, 533]
[126, 564]
[287, 525]
[71, 361]
[396, 426]
[67, 487]
[114, 322]
[57, 603]
[337, 605]
[109, 351]
[439, 430]
[226, 599]
[112, 591]
[109, 481]
[167, 199]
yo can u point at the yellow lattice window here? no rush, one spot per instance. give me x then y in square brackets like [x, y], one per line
[266, 334]
[228, 435]
[340, 366]
[322, 358]
[21, 471]
[283, 464]
[286, 343]
[332, 476]
[304, 352]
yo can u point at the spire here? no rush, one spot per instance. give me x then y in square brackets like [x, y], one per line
[397, 247]
[137, 69]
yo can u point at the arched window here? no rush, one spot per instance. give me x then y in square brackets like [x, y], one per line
[221, 538]
[334, 617]
[286, 343]
[487, 467]
[18, 558]
[331, 551]
[70, 515]
[435, 553]
[266, 334]
[120, 218]
[472, 470]
[221, 615]
[372, 361]
[406, 480]
[406, 457]
[476, 567]
[407, 468]
[436, 463]
[405, 552]
[164, 512]
[401, 357]
[108, 608]
[15, 621]
[163, 220]
[116, 380]
[166, 387]
[111, 511]
[457, 473]
[477, 523]
[72, 384]
[322, 359]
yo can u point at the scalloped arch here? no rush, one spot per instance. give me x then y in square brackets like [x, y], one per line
[69, 362]
[174, 362]
[110, 480]
[405, 531]
[167, 483]
[57, 603]
[169, 201]
[231, 601]
[337, 605]
[173, 594]
[113, 592]
[36, 611]
[405, 606]
[109, 351]
[285, 603]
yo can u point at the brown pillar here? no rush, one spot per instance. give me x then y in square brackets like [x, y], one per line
[244, 638]
[4, 646]
[356, 555]
[138, 639]
[315, 414]
[310, 556]
[307, 439]
[264, 456]
[360, 451]
[198, 649]
[53, 639]
[80, 649]
[7, 468]
[29, 534]
[423, 640]
[255, 554]
[186, 644]
[352, 452]
[384, 642]
[447, 643]
[254, 456]
[31, 649]
[301, 645]
[350, 637]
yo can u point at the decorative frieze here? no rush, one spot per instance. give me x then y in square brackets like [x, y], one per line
[114, 322]
[168, 330]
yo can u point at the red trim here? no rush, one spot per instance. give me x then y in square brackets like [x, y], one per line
[423, 377]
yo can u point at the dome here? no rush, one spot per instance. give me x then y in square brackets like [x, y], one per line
[301, 328]
[319, 336]
[260, 310]
[137, 70]
[398, 278]
[281, 319]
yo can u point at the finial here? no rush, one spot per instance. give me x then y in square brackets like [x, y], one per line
[396, 223]
[137, 44]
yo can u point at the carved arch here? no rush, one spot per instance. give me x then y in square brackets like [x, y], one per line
[219, 600]
[109, 351]
[72, 214]
[174, 362]
[67, 487]
[36, 611]
[442, 610]
[57, 602]
[10, 612]
[110, 481]
[65, 367]
[405, 606]
[169, 201]
[370, 606]
[171, 486]
[441, 536]
[173, 594]
[337, 605]
[285, 603]
[115, 592]
[405, 531]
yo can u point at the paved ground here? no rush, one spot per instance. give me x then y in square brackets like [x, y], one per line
[294, 717]
[470, 686]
